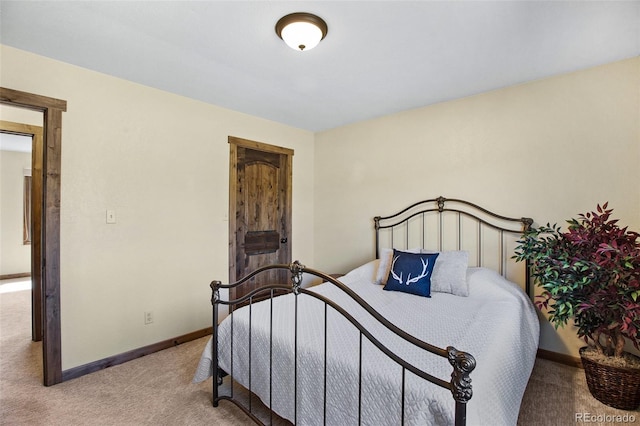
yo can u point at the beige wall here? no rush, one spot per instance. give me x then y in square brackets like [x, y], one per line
[19, 115]
[15, 256]
[160, 161]
[548, 149]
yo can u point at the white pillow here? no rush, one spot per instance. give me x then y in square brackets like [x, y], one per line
[450, 272]
[386, 255]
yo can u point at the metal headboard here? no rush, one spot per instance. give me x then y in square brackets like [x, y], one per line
[452, 224]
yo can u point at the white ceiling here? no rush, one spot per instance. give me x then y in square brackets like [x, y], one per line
[379, 57]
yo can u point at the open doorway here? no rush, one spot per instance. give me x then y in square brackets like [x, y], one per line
[51, 110]
[21, 211]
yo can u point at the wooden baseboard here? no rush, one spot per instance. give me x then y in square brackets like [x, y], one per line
[560, 358]
[12, 276]
[81, 370]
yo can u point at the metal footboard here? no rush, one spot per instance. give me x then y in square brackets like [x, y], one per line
[462, 363]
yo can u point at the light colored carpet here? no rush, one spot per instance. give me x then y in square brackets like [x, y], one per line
[157, 389]
[153, 390]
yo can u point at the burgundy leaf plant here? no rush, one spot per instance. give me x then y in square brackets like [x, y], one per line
[589, 273]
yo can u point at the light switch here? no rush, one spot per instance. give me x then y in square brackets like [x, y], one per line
[111, 216]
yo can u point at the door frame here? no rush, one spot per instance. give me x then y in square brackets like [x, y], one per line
[234, 143]
[52, 110]
[35, 132]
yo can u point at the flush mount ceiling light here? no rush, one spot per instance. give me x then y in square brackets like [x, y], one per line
[301, 31]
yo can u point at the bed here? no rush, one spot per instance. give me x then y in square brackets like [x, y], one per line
[354, 350]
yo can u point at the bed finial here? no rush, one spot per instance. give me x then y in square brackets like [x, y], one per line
[296, 269]
[215, 291]
[527, 221]
[376, 222]
[441, 201]
[463, 364]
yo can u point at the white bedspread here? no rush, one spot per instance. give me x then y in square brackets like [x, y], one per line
[497, 324]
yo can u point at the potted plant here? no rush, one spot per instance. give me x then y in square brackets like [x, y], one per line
[590, 274]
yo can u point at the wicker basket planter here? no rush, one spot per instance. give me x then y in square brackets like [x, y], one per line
[616, 387]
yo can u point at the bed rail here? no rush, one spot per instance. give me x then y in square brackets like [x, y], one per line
[462, 363]
[452, 224]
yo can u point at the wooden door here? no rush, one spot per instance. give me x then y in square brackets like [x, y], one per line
[259, 212]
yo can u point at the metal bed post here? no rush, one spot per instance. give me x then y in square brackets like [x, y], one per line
[296, 269]
[271, 356]
[440, 225]
[463, 364]
[217, 380]
[376, 224]
[250, 355]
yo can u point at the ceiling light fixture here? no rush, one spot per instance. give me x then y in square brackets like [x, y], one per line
[301, 31]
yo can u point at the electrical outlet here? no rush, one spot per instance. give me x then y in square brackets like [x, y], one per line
[148, 317]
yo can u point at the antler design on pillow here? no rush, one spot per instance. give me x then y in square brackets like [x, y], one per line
[393, 265]
[425, 265]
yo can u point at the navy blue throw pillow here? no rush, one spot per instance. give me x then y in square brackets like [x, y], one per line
[411, 272]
